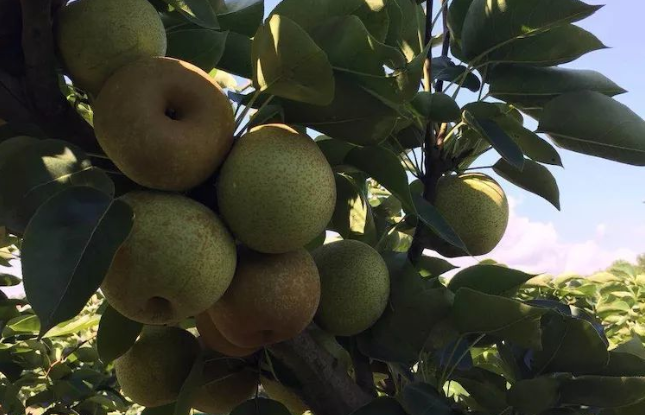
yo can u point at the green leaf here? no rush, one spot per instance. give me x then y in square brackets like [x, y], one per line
[385, 405]
[557, 46]
[352, 217]
[497, 137]
[594, 124]
[193, 382]
[530, 88]
[261, 406]
[198, 45]
[310, 13]
[241, 16]
[534, 396]
[603, 392]
[354, 115]
[476, 312]
[437, 107]
[489, 279]
[534, 147]
[68, 248]
[44, 169]
[444, 69]
[25, 324]
[456, 16]
[534, 178]
[433, 267]
[8, 280]
[570, 345]
[376, 18]
[287, 63]
[423, 399]
[199, 12]
[74, 326]
[160, 410]
[334, 150]
[489, 26]
[116, 334]
[237, 56]
[431, 217]
[623, 364]
[411, 30]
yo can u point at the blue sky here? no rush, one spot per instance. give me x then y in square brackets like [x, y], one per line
[603, 214]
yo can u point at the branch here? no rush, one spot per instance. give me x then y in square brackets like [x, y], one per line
[327, 389]
[363, 370]
[48, 105]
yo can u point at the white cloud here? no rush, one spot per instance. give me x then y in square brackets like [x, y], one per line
[536, 247]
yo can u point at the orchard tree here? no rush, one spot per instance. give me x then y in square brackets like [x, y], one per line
[132, 162]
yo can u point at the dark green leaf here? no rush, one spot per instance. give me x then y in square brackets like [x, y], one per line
[594, 124]
[533, 396]
[497, 137]
[623, 364]
[160, 410]
[456, 16]
[44, 168]
[384, 405]
[489, 279]
[68, 248]
[8, 280]
[25, 324]
[437, 107]
[200, 12]
[334, 150]
[287, 63]
[505, 318]
[533, 146]
[241, 16]
[310, 13]
[431, 217]
[116, 334]
[237, 56]
[534, 178]
[193, 382]
[488, 27]
[198, 45]
[352, 217]
[557, 46]
[603, 392]
[423, 399]
[443, 69]
[261, 406]
[433, 267]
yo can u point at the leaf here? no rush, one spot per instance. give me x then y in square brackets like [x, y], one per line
[191, 43]
[437, 107]
[603, 392]
[534, 178]
[534, 396]
[534, 147]
[352, 217]
[310, 13]
[193, 382]
[475, 312]
[287, 63]
[423, 399]
[433, 267]
[199, 12]
[456, 16]
[431, 217]
[67, 250]
[241, 16]
[8, 280]
[73, 326]
[559, 45]
[260, 406]
[489, 279]
[354, 115]
[334, 150]
[530, 87]
[160, 410]
[384, 405]
[497, 137]
[444, 69]
[594, 124]
[44, 169]
[116, 334]
[570, 345]
[236, 58]
[491, 25]
[25, 324]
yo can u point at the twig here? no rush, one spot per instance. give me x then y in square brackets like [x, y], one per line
[363, 370]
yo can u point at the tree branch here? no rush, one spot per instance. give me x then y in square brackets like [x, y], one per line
[48, 105]
[363, 370]
[327, 389]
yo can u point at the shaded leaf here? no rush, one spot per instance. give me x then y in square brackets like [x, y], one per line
[241, 16]
[431, 217]
[423, 399]
[199, 12]
[603, 392]
[384, 405]
[352, 217]
[287, 63]
[68, 248]
[533, 396]
[437, 107]
[489, 279]
[534, 178]
[193, 382]
[236, 58]
[433, 267]
[497, 137]
[444, 69]
[191, 43]
[116, 334]
[334, 150]
[594, 124]
[8, 280]
[261, 406]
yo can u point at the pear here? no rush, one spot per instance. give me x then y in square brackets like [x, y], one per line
[287, 397]
[355, 287]
[177, 261]
[214, 340]
[227, 385]
[276, 190]
[172, 131]
[153, 371]
[476, 207]
[97, 37]
[271, 299]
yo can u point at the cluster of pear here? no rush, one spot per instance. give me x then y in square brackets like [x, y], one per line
[243, 271]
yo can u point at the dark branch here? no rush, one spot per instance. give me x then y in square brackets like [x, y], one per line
[327, 388]
[363, 370]
[445, 47]
[48, 105]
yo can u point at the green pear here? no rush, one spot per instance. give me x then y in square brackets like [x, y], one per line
[227, 385]
[271, 299]
[97, 37]
[477, 209]
[281, 393]
[165, 123]
[152, 372]
[177, 261]
[276, 190]
[355, 287]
